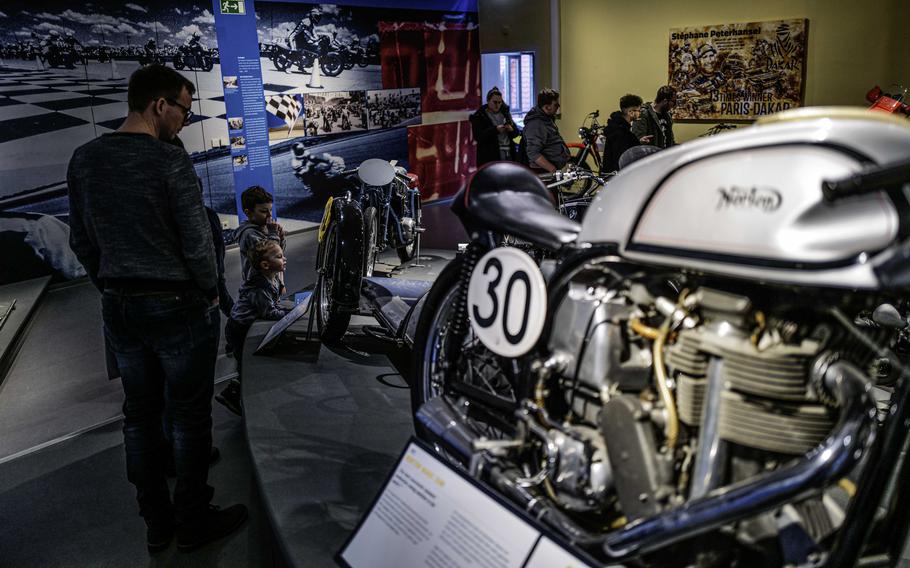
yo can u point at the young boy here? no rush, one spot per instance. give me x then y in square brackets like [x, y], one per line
[259, 226]
[258, 299]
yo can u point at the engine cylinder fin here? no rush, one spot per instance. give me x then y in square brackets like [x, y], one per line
[686, 355]
[690, 398]
[778, 372]
[774, 426]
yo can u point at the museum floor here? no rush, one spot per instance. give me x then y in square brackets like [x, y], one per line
[64, 497]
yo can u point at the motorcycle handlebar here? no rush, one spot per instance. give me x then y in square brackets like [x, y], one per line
[878, 178]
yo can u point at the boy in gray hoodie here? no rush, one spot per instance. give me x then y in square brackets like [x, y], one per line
[259, 226]
[258, 299]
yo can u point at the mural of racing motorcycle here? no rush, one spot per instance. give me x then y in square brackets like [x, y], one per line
[194, 56]
[666, 395]
[63, 52]
[331, 62]
[383, 211]
[322, 173]
[351, 54]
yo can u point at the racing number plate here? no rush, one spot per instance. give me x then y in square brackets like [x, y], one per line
[507, 301]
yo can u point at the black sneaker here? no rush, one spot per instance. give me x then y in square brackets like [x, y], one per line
[158, 536]
[230, 397]
[215, 524]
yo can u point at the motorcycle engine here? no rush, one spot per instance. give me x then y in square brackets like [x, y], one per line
[739, 399]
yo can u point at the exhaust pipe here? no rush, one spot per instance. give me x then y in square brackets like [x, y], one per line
[829, 461]
[448, 426]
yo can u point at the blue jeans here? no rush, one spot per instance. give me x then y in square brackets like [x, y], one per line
[165, 345]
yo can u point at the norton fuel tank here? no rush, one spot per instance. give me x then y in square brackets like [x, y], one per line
[749, 203]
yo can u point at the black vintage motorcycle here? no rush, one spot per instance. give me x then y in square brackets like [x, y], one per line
[382, 211]
[193, 59]
[714, 370]
[64, 56]
[331, 62]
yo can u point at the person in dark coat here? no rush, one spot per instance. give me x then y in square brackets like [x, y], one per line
[656, 118]
[618, 135]
[494, 129]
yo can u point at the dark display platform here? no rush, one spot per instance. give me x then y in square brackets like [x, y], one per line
[323, 436]
[25, 295]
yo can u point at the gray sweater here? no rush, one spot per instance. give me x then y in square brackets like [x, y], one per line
[542, 138]
[258, 299]
[136, 213]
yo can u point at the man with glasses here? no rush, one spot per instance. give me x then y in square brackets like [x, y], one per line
[138, 225]
[542, 147]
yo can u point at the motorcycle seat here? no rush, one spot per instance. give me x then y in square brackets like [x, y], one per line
[508, 198]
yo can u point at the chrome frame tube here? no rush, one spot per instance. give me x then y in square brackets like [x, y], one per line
[711, 454]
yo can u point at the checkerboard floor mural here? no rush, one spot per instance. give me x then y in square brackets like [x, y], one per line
[46, 113]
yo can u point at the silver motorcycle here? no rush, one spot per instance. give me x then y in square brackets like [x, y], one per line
[713, 371]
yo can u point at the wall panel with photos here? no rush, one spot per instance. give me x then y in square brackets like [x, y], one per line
[407, 77]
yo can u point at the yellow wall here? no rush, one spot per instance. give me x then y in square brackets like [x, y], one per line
[610, 48]
[518, 25]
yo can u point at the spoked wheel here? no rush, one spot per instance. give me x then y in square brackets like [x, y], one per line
[580, 186]
[333, 322]
[370, 236]
[442, 360]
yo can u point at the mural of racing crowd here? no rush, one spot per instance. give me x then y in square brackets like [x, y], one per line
[344, 111]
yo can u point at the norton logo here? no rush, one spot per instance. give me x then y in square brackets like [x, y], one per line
[762, 198]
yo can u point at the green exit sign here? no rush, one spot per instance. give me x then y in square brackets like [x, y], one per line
[232, 7]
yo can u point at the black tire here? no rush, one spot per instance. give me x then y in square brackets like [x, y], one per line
[436, 357]
[441, 294]
[362, 63]
[331, 65]
[370, 237]
[178, 63]
[207, 63]
[281, 61]
[333, 322]
[407, 252]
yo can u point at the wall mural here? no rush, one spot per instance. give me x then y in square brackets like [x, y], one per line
[738, 71]
[381, 71]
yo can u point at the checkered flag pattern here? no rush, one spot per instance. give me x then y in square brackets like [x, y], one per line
[285, 107]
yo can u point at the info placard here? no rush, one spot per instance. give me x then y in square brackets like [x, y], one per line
[429, 515]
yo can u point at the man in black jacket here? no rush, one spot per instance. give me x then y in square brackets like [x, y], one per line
[655, 119]
[493, 129]
[138, 226]
[618, 132]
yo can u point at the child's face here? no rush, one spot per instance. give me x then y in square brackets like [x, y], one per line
[274, 261]
[260, 214]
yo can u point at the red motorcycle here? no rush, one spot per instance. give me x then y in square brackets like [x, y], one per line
[891, 101]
